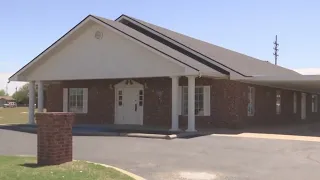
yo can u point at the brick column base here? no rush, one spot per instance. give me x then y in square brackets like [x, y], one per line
[54, 137]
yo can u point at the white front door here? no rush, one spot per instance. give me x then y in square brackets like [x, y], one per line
[303, 106]
[129, 105]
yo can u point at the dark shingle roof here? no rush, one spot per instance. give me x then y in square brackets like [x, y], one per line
[233, 60]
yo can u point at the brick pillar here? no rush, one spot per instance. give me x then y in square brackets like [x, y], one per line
[54, 137]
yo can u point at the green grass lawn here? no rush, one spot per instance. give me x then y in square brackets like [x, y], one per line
[24, 168]
[14, 115]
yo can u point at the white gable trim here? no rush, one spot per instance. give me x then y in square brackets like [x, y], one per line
[190, 70]
[15, 77]
[111, 57]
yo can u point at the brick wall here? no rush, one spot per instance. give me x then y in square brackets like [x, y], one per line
[229, 101]
[101, 97]
[54, 137]
[265, 108]
[54, 99]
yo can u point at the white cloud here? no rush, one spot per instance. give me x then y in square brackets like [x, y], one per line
[308, 71]
[12, 85]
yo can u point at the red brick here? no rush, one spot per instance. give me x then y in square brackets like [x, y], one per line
[228, 103]
[53, 138]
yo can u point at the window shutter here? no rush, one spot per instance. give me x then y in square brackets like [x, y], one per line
[65, 99]
[206, 101]
[180, 100]
[85, 100]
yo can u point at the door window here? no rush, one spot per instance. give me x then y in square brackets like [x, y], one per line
[140, 97]
[120, 97]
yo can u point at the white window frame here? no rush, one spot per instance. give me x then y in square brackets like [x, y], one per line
[295, 102]
[67, 94]
[278, 101]
[251, 101]
[205, 100]
[314, 103]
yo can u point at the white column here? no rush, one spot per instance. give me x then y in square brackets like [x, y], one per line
[174, 111]
[40, 96]
[31, 102]
[191, 101]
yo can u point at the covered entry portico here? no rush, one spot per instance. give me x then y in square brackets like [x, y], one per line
[129, 102]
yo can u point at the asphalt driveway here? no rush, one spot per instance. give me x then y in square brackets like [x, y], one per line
[204, 157]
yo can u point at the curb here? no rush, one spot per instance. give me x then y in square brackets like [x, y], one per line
[10, 124]
[97, 133]
[273, 137]
[143, 135]
[186, 135]
[172, 136]
[134, 176]
[83, 133]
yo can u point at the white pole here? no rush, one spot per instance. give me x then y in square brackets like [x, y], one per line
[40, 96]
[31, 102]
[174, 111]
[191, 103]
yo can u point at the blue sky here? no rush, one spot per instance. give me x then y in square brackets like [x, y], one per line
[246, 26]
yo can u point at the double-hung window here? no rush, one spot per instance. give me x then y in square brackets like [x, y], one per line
[278, 101]
[314, 105]
[75, 100]
[202, 100]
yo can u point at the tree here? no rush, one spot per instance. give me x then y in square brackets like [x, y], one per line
[3, 92]
[21, 96]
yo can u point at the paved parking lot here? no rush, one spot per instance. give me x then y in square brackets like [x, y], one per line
[203, 158]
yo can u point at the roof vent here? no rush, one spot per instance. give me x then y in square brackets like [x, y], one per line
[98, 35]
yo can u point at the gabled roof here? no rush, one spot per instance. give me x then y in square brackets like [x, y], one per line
[230, 60]
[182, 58]
[129, 32]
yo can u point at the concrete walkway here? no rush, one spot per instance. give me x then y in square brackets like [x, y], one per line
[110, 130]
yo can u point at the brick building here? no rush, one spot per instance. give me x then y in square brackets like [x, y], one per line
[128, 71]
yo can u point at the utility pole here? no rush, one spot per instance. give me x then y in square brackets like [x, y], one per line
[276, 50]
